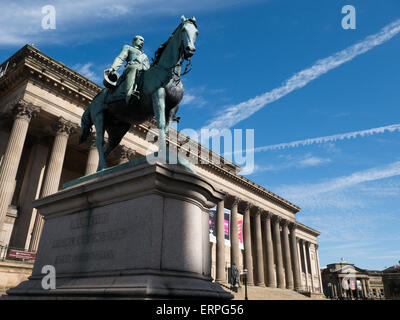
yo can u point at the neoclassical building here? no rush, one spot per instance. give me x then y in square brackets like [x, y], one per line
[346, 281]
[41, 103]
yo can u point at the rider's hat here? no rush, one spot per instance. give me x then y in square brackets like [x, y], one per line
[110, 79]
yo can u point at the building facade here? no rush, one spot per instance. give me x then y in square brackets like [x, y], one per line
[391, 282]
[41, 103]
[345, 281]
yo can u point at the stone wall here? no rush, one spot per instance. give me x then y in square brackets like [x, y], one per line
[13, 273]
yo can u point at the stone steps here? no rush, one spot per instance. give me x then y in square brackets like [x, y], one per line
[265, 293]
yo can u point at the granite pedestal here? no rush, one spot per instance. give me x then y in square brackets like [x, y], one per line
[139, 231]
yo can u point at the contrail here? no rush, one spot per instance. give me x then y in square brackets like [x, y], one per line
[309, 190]
[332, 138]
[336, 137]
[231, 115]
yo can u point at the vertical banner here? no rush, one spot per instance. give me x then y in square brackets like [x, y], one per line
[212, 224]
[240, 231]
[213, 230]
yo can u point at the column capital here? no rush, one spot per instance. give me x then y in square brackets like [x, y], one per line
[24, 110]
[62, 126]
[257, 210]
[275, 218]
[267, 214]
[125, 153]
[233, 200]
[285, 222]
[91, 141]
[245, 205]
[292, 226]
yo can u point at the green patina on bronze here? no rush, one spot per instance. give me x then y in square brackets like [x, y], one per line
[142, 92]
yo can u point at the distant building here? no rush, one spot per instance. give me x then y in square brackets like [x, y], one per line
[391, 282]
[345, 281]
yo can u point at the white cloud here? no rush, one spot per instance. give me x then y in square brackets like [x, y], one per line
[291, 162]
[332, 138]
[311, 161]
[86, 70]
[232, 115]
[21, 21]
[332, 192]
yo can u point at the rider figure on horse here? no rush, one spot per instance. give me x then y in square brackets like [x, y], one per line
[136, 60]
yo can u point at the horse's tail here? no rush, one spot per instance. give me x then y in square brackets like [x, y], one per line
[86, 124]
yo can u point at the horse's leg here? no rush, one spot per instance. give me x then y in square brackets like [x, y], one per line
[115, 135]
[171, 116]
[158, 98]
[99, 124]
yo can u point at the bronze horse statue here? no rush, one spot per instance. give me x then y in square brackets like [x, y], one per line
[161, 91]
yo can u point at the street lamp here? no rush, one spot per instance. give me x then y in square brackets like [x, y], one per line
[245, 284]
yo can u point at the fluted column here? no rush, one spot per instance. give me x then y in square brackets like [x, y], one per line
[278, 250]
[248, 258]
[259, 250]
[295, 258]
[220, 260]
[23, 113]
[287, 258]
[234, 233]
[318, 267]
[93, 157]
[63, 129]
[303, 246]
[271, 282]
[308, 247]
[125, 154]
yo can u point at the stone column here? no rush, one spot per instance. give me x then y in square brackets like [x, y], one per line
[287, 258]
[259, 250]
[125, 154]
[23, 113]
[248, 258]
[271, 282]
[319, 269]
[220, 259]
[295, 258]
[278, 250]
[303, 247]
[93, 157]
[308, 246]
[234, 233]
[30, 189]
[63, 129]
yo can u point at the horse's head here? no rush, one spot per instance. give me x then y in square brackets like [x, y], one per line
[189, 35]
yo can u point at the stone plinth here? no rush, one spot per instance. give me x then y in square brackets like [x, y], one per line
[137, 231]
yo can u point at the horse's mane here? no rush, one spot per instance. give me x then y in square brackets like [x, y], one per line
[158, 53]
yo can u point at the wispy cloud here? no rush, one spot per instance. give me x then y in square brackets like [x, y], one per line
[231, 115]
[87, 70]
[332, 138]
[312, 194]
[77, 20]
[193, 97]
[306, 161]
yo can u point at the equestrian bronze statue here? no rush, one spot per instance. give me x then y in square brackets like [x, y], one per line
[142, 92]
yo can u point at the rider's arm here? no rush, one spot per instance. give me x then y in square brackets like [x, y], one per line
[146, 64]
[119, 61]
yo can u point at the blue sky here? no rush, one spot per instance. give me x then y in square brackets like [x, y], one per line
[283, 53]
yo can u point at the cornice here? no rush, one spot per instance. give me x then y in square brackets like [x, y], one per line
[31, 64]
